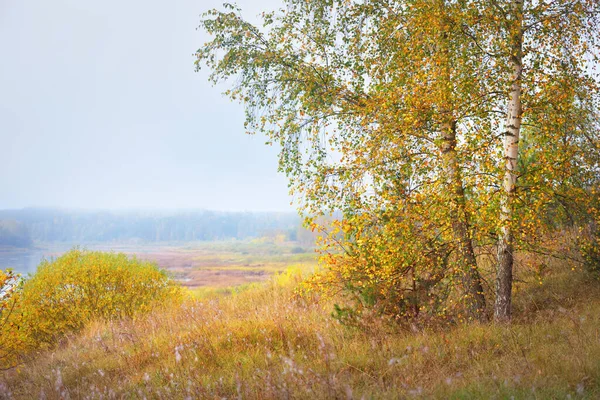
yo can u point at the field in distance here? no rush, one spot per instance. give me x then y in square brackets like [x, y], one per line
[220, 264]
[226, 264]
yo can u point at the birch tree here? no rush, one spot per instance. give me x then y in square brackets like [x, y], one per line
[550, 49]
[406, 117]
[511, 153]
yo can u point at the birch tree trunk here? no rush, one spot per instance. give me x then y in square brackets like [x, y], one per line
[504, 273]
[469, 274]
[471, 280]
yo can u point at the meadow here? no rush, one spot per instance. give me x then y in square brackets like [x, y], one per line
[226, 264]
[269, 341]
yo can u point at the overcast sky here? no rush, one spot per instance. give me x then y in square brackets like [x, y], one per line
[100, 107]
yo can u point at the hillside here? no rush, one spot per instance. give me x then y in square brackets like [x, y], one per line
[266, 342]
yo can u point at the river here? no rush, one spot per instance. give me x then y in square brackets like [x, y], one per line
[25, 261]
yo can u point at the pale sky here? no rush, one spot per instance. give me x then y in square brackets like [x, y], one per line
[100, 107]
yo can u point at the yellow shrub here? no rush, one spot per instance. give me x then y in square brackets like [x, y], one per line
[10, 290]
[79, 286]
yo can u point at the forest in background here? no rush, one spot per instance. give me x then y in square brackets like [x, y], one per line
[21, 228]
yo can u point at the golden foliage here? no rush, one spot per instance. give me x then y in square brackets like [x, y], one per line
[80, 286]
[391, 114]
[10, 291]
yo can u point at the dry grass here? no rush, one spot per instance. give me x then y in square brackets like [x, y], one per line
[263, 343]
[225, 264]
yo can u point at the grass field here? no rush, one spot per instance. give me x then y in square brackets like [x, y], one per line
[226, 264]
[265, 342]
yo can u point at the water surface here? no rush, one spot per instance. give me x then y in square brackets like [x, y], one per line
[25, 261]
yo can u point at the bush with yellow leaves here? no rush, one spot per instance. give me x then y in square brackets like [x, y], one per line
[10, 291]
[81, 286]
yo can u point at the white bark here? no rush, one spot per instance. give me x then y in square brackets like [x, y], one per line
[504, 276]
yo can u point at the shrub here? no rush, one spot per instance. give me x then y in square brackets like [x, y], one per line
[397, 270]
[298, 250]
[589, 247]
[80, 286]
[10, 291]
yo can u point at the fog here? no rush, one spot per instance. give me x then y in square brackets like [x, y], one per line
[100, 108]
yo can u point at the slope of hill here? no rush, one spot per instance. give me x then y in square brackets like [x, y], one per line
[268, 343]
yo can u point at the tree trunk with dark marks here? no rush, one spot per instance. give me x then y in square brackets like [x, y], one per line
[469, 274]
[474, 298]
[504, 273]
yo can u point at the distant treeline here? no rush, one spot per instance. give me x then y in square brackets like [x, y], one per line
[14, 233]
[21, 227]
